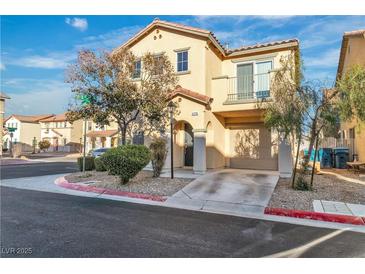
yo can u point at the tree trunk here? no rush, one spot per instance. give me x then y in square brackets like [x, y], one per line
[296, 161]
[314, 161]
[123, 135]
[312, 138]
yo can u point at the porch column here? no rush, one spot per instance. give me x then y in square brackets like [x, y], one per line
[108, 142]
[200, 162]
[167, 165]
[285, 159]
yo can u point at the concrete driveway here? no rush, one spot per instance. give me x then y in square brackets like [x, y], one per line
[229, 190]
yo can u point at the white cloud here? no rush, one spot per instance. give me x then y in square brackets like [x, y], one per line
[109, 40]
[53, 60]
[78, 23]
[41, 96]
[328, 59]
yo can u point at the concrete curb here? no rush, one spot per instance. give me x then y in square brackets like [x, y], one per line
[344, 219]
[62, 182]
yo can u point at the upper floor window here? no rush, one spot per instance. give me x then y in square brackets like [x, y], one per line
[137, 69]
[182, 61]
[158, 69]
[89, 125]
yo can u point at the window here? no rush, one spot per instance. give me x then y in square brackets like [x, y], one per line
[89, 125]
[137, 69]
[64, 141]
[263, 79]
[158, 69]
[182, 61]
[65, 124]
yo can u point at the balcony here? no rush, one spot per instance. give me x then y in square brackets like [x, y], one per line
[248, 88]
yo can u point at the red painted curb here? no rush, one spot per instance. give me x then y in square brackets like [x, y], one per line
[62, 182]
[354, 220]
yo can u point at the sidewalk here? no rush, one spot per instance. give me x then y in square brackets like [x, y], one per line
[47, 184]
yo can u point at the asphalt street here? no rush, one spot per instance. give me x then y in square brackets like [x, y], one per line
[36, 169]
[41, 224]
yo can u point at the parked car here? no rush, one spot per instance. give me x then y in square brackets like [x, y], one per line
[98, 152]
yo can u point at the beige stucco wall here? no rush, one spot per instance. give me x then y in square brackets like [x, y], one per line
[29, 131]
[355, 54]
[171, 41]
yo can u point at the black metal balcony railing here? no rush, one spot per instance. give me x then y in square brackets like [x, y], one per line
[248, 87]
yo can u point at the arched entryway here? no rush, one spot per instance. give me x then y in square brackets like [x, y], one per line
[188, 145]
[184, 144]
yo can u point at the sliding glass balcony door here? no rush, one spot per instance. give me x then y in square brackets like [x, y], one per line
[245, 81]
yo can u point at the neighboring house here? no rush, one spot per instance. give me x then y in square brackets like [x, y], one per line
[101, 136]
[63, 135]
[352, 53]
[219, 124]
[27, 128]
[3, 97]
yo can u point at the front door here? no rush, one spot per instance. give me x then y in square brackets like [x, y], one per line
[188, 145]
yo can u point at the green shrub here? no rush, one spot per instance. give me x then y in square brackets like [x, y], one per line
[44, 145]
[99, 165]
[126, 161]
[158, 154]
[302, 184]
[89, 163]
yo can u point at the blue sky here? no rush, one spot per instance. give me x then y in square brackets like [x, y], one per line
[35, 50]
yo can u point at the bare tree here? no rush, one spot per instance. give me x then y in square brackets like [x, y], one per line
[120, 87]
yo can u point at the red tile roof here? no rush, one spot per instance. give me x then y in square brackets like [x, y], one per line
[206, 33]
[56, 118]
[101, 133]
[29, 118]
[261, 45]
[191, 94]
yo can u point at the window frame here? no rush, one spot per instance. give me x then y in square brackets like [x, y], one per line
[134, 76]
[182, 61]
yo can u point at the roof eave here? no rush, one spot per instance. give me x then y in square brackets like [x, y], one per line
[265, 48]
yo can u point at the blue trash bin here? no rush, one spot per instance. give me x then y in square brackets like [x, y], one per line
[326, 159]
[341, 156]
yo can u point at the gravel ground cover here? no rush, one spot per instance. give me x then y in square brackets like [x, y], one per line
[142, 183]
[326, 187]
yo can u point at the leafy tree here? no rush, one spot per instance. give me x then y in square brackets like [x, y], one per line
[351, 94]
[299, 109]
[106, 79]
[44, 145]
[286, 111]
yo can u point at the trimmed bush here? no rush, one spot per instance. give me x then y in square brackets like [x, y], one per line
[99, 165]
[158, 154]
[302, 184]
[44, 145]
[126, 161]
[89, 163]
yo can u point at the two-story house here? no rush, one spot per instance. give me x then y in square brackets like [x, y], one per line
[26, 129]
[101, 136]
[62, 134]
[219, 123]
[352, 53]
